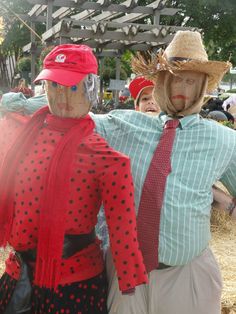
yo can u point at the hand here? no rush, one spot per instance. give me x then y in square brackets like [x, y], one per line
[224, 201]
[221, 199]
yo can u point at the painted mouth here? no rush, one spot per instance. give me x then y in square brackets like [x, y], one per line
[64, 106]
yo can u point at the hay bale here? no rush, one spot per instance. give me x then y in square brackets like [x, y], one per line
[3, 257]
[223, 245]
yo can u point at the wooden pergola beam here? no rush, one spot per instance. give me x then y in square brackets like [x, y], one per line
[111, 24]
[105, 30]
[113, 11]
[107, 27]
[125, 7]
[37, 10]
[60, 31]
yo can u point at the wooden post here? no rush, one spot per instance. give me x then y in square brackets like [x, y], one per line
[49, 14]
[33, 57]
[117, 78]
[101, 63]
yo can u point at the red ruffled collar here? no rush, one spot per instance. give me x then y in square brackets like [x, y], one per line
[63, 124]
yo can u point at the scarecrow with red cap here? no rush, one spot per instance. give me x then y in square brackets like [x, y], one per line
[176, 158]
[55, 174]
[141, 90]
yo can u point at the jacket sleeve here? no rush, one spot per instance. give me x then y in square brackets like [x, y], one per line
[118, 199]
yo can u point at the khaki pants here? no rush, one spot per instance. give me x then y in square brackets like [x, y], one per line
[191, 289]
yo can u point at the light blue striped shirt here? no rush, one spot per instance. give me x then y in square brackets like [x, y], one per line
[204, 152]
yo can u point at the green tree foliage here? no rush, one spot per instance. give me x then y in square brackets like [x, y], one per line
[216, 19]
[16, 34]
[108, 71]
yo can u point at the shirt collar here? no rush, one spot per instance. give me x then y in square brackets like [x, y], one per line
[185, 122]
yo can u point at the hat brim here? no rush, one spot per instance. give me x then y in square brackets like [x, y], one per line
[137, 84]
[215, 70]
[60, 76]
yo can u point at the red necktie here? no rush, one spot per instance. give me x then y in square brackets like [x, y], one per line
[148, 221]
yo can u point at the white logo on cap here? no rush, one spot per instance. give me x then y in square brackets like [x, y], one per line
[60, 58]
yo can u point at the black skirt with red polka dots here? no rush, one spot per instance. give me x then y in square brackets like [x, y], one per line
[84, 297]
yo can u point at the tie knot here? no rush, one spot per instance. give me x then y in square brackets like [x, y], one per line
[172, 124]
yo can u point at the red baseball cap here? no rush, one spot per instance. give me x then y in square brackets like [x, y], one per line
[68, 64]
[137, 85]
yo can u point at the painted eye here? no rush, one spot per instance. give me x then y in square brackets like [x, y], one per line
[74, 88]
[190, 81]
[54, 84]
[177, 79]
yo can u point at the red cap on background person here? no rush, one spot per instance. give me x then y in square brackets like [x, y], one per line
[68, 64]
[136, 87]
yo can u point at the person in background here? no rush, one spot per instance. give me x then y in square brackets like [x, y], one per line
[23, 88]
[230, 102]
[142, 92]
[55, 174]
[185, 277]
[214, 109]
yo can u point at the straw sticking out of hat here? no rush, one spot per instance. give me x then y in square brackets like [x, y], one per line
[186, 52]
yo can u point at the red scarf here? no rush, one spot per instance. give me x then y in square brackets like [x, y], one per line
[54, 200]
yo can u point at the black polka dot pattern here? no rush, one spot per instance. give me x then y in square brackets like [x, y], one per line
[99, 174]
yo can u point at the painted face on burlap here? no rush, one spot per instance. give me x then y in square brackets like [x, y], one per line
[73, 101]
[184, 88]
[146, 102]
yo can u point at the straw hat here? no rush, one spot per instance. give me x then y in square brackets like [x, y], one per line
[185, 53]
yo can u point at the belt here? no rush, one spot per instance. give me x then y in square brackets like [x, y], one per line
[163, 266]
[73, 243]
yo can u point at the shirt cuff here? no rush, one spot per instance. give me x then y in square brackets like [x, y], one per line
[129, 291]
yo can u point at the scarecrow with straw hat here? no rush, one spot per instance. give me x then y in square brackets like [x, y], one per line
[176, 158]
[185, 53]
[55, 173]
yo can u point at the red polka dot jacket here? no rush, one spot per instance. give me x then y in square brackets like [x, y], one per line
[99, 174]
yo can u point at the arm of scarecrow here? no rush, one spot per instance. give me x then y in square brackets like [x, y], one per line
[118, 198]
[224, 201]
